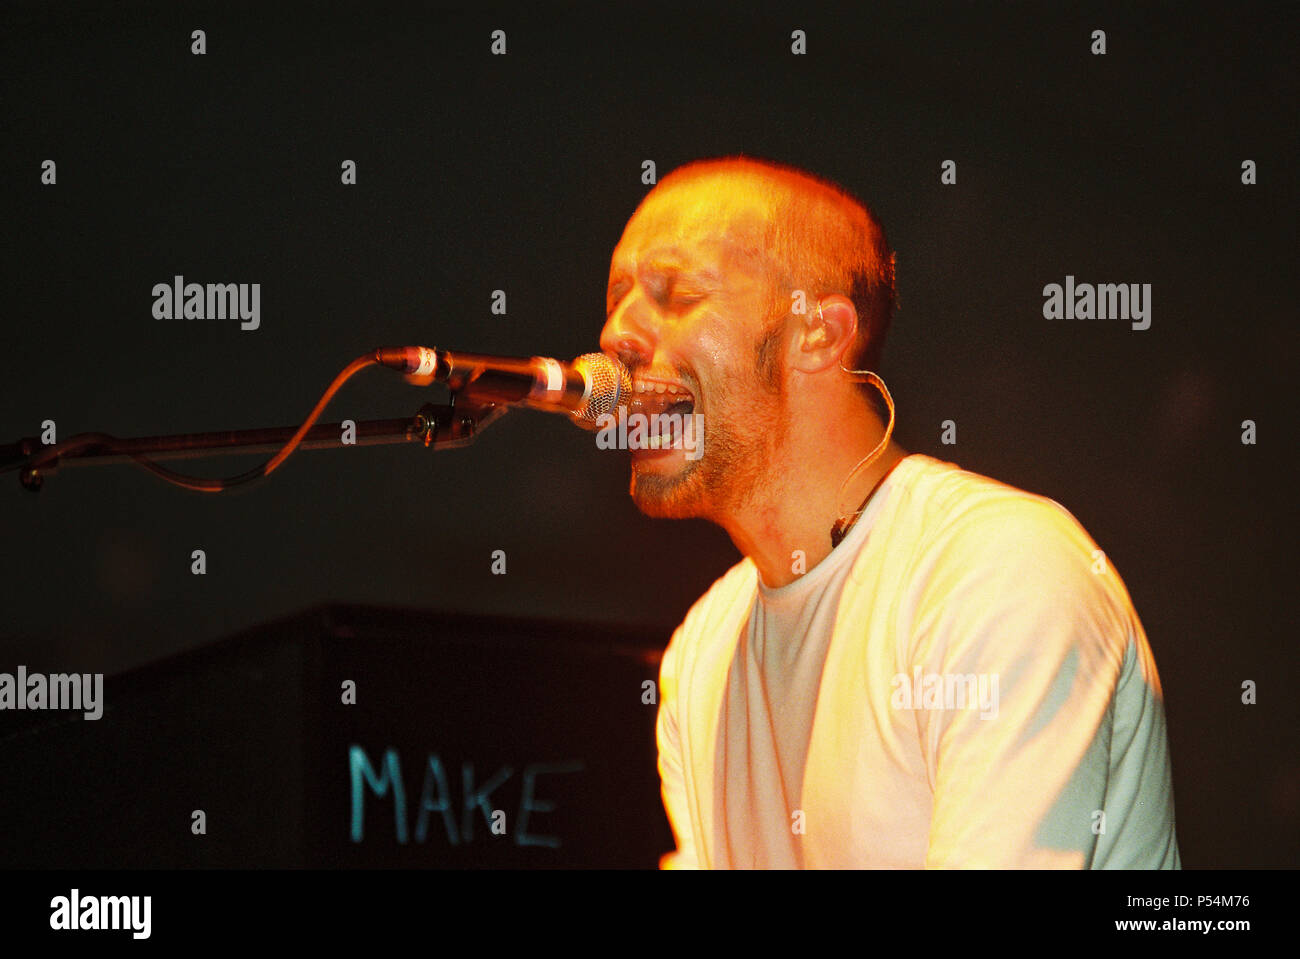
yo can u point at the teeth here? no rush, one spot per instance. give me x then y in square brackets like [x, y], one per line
[663, 440]
[657, 387]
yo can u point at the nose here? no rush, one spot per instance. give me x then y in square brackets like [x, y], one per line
[627, 338]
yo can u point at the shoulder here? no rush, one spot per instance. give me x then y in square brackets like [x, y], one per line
[730, 593]
[966, 516]
[993, 554]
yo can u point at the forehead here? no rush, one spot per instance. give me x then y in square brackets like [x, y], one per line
[714, 220]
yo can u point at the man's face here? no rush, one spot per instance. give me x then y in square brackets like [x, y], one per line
[690, 301]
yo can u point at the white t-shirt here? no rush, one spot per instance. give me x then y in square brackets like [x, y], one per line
[963, 682]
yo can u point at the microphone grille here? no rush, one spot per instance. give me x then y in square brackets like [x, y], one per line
[611, 384]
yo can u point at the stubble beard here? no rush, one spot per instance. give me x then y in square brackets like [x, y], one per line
[740, 446]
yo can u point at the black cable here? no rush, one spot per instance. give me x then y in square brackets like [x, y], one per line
[201, 484]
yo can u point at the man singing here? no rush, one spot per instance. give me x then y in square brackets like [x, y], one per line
[913, 665]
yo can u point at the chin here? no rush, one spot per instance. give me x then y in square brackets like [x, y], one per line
[668, 497]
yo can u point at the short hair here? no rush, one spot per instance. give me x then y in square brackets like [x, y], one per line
[825, 241]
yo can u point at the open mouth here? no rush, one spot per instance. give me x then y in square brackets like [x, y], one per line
[660, 396]
[665, 406]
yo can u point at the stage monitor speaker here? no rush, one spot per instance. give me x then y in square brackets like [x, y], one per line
[353, 737]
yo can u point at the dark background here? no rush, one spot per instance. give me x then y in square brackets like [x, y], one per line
[478, 173]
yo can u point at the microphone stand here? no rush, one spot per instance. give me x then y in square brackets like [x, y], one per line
[435, 425]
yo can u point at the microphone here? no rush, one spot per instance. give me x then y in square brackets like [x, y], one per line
[586, 389]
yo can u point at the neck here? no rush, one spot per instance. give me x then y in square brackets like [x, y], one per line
[802, 500]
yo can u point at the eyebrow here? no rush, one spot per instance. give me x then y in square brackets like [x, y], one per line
[694, 272]
[665, 266]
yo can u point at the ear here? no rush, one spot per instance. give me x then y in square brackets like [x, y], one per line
[824, 333]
